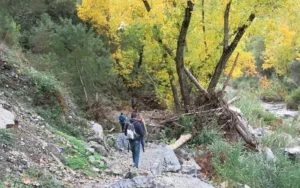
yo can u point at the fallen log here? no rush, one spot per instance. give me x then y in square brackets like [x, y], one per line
[182, 140]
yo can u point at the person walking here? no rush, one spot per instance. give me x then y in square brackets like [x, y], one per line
[122, 120]
[135, 126]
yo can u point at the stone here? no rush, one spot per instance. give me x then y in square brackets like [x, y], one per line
[190, 167]
[170, 181]
[91, 150]
[121, 141]
[6, 117]
[98, 148]
[97, 128]
[293, 152]
[95, 169]
[171, 162]
[269, 154]
[92, 159]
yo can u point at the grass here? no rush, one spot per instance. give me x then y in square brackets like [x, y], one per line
[7, 137]
[293, 99]
[252, 169]
[36, 176]
[253, 111]
[76, 155]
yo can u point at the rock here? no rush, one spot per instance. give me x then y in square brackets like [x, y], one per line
[97, 128]
[91, 150]
[269, 154]
[95, 169]
[190, 167]
[98, 148]
[121, 141]
[139, 181]
[293, 152]
[259, 132]
[171, 162]
[6, 117]
[157, 167]
[92, 159]
[171, 181]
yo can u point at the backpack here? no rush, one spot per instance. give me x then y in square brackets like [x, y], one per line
[131, 134]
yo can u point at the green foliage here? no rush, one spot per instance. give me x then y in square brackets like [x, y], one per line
[9, 30]
[188, 123]
[75, 55]
[252, 168]
[7, 137]
[294, 71]
[46, 87]
[207, 136]
[275, 92]
[253, 111]
[245, 83]
[293, 99]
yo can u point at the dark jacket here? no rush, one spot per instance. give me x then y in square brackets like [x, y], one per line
[139, 129]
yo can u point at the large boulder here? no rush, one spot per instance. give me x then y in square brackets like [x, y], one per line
[97, 128]
[98, 148]
[121, 141]
[6, 117]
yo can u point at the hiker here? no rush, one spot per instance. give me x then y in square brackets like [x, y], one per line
[122, 120]
[141, 119]
[135, 133]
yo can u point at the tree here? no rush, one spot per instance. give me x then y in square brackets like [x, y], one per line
[172, 28]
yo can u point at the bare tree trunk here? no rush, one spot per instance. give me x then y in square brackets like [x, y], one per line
[203, 27]
[181, 42]
[83, 86]
[230, 73]
[147, 6]
[175, 93]
[195, 81]
[182, 140]
[228, 49]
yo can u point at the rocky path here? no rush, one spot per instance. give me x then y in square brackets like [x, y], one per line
[159, 167]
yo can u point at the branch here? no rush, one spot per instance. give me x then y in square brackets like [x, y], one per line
[226, 26]
[203, 28]
[147, 6]
[230, 73]
[182, 140]
[195, 81]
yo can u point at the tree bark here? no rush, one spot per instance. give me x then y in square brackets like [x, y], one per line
[228, 50]
[147, 6]
[195, 81]
[203, 27]
[179, 59]
[230, 73]
[175, 93]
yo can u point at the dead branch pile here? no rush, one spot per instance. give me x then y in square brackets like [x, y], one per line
[210, 106]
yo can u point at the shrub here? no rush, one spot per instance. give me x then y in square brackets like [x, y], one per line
[9, 30]
[293, 99]
[234, 165]
[6, 137]
[272, 90]
[253, 111]
[207, 136]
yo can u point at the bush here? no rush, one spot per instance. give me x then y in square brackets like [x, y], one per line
[7, 137]
[293, 99]
[272, 90]
[253, 111]
[9, 30]
[207, 136]
[234, 165]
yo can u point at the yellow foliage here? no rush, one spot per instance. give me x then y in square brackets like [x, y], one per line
[265, 83]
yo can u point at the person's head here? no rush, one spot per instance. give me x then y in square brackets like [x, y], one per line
[121, 113]
[134, 115]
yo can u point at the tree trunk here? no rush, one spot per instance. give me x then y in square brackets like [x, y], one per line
[230, 73]
[228, 50]
[203, 27]
[175, 93]
[182, 140]
[180, 54]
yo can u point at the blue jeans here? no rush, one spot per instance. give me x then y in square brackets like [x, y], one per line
[135, 148]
